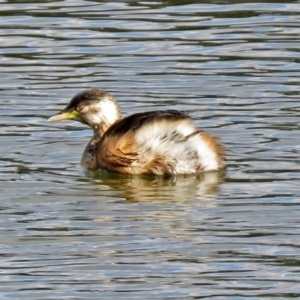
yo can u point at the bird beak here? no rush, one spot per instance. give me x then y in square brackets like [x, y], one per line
[64, 115]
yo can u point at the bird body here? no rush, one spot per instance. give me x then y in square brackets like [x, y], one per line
[156, 142]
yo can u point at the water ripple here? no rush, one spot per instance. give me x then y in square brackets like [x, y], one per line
[69, 234]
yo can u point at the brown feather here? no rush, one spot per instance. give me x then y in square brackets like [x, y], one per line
[159, 166]
[117, 152]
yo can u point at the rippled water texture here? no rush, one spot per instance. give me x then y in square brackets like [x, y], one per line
[234, 68]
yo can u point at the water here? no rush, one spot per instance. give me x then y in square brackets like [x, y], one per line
[67, 234]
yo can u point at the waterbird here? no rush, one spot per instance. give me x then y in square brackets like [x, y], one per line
[162, 142]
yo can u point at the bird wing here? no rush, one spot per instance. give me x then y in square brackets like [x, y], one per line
[118, 150]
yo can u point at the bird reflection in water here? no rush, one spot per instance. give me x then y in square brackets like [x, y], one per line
[136, 188]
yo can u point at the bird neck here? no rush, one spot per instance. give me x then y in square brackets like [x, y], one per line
[100, 129]
[88, 157]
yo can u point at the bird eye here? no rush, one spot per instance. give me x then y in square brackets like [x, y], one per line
[78, 108]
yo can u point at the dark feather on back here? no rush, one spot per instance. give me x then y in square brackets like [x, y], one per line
[135, 121]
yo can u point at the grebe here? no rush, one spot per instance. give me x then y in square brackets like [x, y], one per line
[156, 142]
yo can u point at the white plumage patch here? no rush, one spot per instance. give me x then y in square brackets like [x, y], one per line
[104, 111]
[109, 111]
[178, 143]
[207, 156]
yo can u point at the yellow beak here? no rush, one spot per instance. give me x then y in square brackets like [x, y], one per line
[64, 115]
